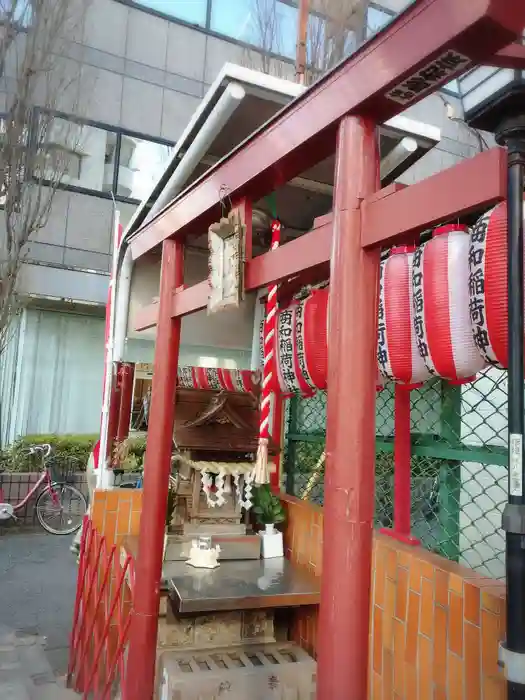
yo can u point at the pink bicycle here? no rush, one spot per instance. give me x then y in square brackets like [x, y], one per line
[60, 507]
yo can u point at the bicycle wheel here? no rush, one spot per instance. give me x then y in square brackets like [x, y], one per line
[60, 509]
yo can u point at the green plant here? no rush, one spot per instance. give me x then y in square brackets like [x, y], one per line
[267, 507]
[65, 447]
[129, 454]
[172, 502]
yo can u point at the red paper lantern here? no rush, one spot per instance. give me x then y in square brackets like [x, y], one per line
[311, 333]
[488, 294]
[301, 346]
[397, 349]
[301, 349]
[440, 291]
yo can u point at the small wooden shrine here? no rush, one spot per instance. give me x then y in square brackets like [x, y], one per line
[215, 442]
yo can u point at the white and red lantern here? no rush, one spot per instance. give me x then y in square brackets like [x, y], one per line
[440, 292]
[301, 345]
[488, 285]
[397, 349]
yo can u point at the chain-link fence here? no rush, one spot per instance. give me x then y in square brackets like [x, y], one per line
[458, 466]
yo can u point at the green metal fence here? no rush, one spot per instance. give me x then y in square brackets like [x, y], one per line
[459, 464]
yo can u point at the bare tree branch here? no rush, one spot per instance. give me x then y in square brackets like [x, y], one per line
[34, 38]
[266, 32]
[335, 29]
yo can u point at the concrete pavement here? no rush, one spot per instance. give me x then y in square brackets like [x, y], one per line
[37, 593]
[25, 671]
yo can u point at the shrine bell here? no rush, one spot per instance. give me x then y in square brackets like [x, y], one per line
[397, 347]
[488, 294]
[440, 291]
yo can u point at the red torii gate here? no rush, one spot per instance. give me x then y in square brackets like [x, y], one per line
[428, 45]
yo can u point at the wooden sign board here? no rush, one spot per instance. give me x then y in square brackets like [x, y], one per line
[226, 244]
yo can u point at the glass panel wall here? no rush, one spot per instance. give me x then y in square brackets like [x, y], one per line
[97, 158]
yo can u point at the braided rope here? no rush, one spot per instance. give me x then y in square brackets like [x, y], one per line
[270, 324]
[261, 475]
[215, 467]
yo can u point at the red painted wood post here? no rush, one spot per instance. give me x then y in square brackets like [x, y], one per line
[127, 374]
[343, 635]
[402, 470]
[140, 670]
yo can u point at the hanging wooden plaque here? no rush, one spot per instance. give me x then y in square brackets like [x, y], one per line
[226, 244]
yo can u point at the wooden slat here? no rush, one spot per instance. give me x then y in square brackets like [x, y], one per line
[474, 184]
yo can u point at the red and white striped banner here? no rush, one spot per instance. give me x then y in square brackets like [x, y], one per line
[217, 379]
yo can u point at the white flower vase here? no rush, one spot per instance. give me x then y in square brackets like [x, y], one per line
[272, 542]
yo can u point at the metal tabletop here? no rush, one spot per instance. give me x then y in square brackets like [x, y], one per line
[241, 585]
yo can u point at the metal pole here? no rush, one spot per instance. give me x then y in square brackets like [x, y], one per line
[302, 38]
[402, 454]
[512, 652]
[140, 667]
[277, 438]
[450, 472]
[343, 638]
[291, 453]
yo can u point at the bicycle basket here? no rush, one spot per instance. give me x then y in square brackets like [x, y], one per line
[63, 470]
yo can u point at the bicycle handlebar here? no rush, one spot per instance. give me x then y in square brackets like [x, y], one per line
[44, 449]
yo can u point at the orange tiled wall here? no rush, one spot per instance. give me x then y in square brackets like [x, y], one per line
[435, 625]
[116, 514]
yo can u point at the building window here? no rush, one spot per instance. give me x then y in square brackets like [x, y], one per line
[141, 163]
[75, 154]
[335, 29]
[266, 24]
[91, 157]
[191, 11]
[452, 87]
[18, 12]
[269, 25]
[376, 20]
[330, 40]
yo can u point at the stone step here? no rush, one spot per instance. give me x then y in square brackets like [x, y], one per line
[264, 672]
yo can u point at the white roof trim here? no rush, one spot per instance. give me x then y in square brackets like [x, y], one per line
[253, 81]
[257, 83]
